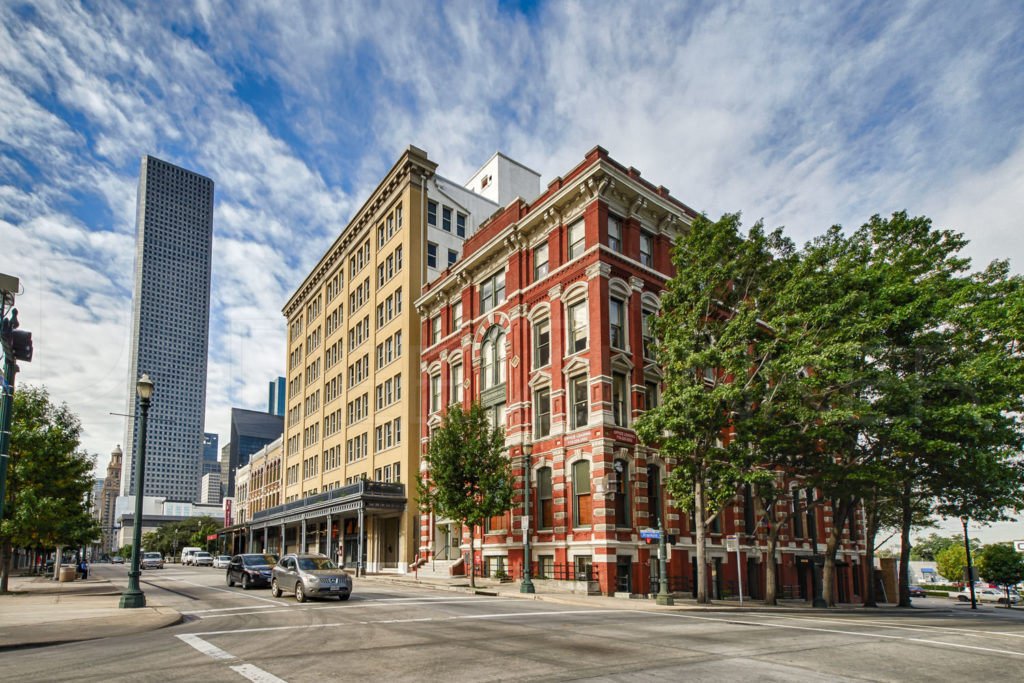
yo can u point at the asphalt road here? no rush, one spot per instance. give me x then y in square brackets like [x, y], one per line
[387, 633]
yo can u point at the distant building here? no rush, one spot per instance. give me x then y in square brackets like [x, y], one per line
[276, 397]
[170, 324]
[210, 461]
[251, 430]
[108, 500]
[210, 489]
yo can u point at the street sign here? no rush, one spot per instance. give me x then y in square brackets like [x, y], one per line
[1019, 545]
[650, 533]
[732, 544]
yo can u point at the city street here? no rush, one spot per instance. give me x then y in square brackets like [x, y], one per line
[388, 632]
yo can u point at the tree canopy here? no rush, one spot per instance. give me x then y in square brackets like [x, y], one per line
[48, 478]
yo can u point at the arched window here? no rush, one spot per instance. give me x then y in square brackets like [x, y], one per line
[581, 493]
[492, 371]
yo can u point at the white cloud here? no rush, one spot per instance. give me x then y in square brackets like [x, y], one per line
[804, 114]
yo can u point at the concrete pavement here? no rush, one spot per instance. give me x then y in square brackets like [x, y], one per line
[43, 612]
[39, 611]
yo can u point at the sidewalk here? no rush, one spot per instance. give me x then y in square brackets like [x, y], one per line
[545, 593]
[39, 611]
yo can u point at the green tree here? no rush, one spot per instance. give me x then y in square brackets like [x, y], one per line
[468, 476]
[951, 562]
[926, 549]
[1000, 563]
[125, 551]
[712, 342]
[48, 479]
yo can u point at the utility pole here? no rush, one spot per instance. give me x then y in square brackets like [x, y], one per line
[17, 345]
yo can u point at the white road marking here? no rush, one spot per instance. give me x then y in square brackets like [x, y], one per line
[226, 609]
[206, 648]
[256, 674]
[345, 606]
[279, 603]
[835, 630]
[258, 629]
[918, 627]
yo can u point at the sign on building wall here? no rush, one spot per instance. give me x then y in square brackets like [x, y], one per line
[228, 517]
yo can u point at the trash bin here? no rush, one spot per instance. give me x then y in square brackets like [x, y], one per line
[67, 573]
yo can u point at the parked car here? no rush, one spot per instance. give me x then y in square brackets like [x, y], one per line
[917, 592]
[151, 561]
[250, 570]
[187, 553]
[988, 595]
[117, 559]
[310, 575]
[221, 561]
[202, 559]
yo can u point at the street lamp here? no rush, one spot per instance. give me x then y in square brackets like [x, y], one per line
[134, 597]
[970, 570]
[527, 585]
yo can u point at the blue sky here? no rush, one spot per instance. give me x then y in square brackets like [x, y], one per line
[804, 114]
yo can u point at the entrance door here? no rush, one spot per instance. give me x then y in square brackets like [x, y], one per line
[623, 574]
[389, 543]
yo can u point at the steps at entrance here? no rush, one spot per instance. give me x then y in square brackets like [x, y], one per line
[437, 569]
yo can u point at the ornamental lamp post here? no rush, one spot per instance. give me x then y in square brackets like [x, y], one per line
[970, 571]
[527, 585]
[134, 597]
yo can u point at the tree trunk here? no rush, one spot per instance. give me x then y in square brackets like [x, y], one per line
[700, 539]
[5, 564]
[472, 557]
[905, 522]
[828, 575]
[768, 559]
[870, 531]
[56, 563]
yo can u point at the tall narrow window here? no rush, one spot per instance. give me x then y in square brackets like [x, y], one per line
[453, 256]
[577, 240]
[614, 233]
[581, 513]
[619, 399]
[460, 224]
[492, 371]
[621, 490]
[650, 395]
[431, 255]
[457, 384]
[446, 219]
[798, 505]
[542, 413]
[648, 333]
[432, 214]
[653, 496]
[541, 344]
[456, 315]
[435, 329]
[580, 404]
[646, 249]
[578, 326]
[540, 261]
[617, 321]
[435, 393]
[545, 513]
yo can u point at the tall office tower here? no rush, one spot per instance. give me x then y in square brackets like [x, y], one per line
[276, 397]
[210, 448]
[170, 321]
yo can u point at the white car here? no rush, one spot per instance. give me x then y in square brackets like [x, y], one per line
[988, 595]
[202, 559]
[221, 561]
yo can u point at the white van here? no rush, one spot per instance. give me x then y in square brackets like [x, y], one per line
[187, 553]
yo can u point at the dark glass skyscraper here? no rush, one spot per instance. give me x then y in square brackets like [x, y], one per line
[170, 324]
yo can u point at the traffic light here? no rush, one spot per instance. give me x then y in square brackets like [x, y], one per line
[21, 343]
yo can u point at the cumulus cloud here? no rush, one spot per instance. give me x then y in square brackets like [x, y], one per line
[800, 113]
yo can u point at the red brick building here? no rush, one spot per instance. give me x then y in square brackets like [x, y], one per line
[544, 320]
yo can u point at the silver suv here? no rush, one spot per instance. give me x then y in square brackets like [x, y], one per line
[310, 575]
[202, 559]
[151, 561]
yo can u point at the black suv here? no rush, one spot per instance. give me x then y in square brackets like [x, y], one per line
[251, 569]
